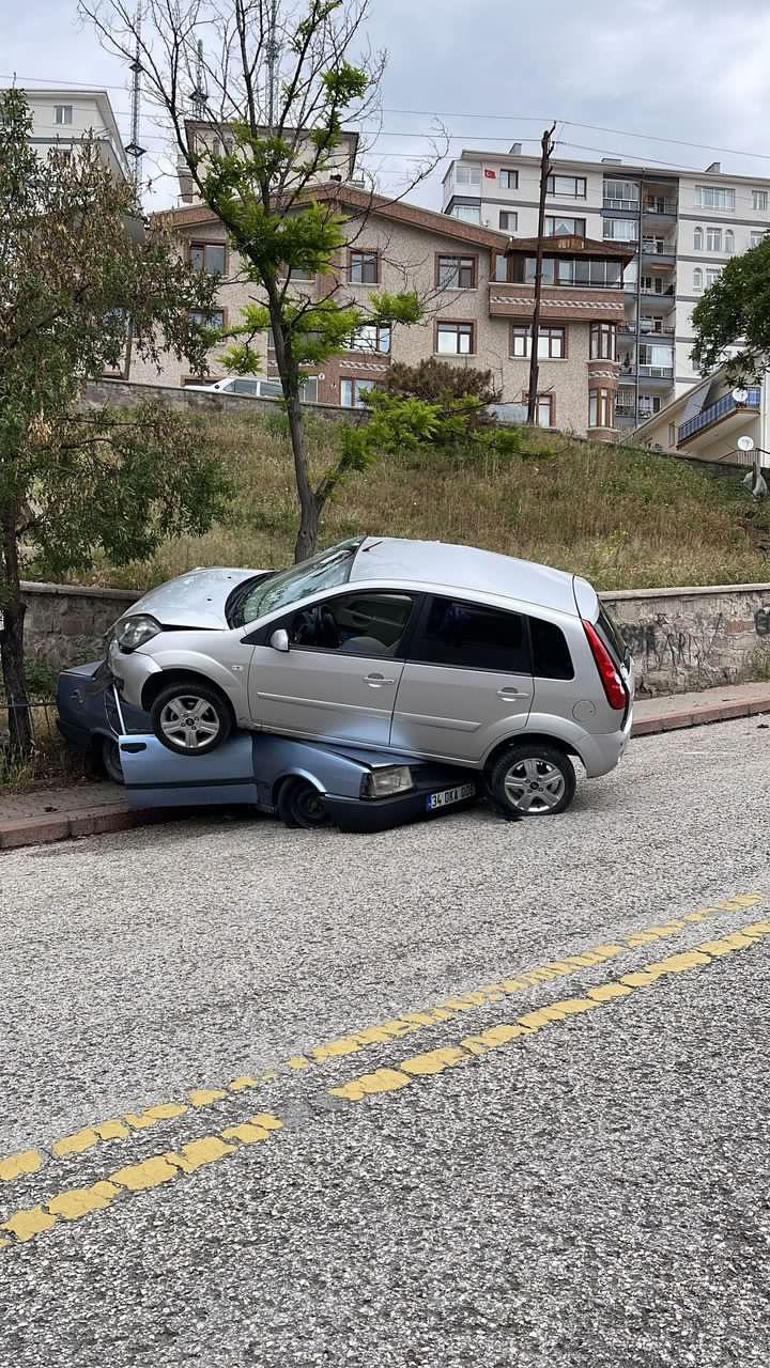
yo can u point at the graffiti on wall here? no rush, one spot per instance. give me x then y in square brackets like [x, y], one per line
[661, 645]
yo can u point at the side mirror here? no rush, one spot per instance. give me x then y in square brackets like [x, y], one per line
[280, 640]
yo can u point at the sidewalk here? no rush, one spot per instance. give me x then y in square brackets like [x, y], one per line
[53, 814]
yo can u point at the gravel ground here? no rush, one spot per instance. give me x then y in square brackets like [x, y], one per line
[596, 1198]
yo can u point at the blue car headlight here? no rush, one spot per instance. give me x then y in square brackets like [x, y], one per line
[132, 632]
[386, 783]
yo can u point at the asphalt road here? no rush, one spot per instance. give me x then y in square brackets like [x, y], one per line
[586, 1189]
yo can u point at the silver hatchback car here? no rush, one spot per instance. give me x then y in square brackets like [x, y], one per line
[414, 648]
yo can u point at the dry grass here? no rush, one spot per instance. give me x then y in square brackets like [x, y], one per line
[625, 519]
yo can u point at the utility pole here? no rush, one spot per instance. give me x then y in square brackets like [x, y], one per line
[136, 151]
[545, 171]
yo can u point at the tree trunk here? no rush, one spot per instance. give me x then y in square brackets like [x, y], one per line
[12, 649]
[309, 506]
[310, 511]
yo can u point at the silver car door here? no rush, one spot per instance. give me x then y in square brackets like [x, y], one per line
[467, 682]
[337, 680]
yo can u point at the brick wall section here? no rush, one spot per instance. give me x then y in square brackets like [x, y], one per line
[682, 639]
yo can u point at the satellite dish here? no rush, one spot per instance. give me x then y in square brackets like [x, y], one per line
[745, 444]
[740, 395]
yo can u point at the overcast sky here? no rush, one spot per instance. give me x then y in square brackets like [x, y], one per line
[494, 71]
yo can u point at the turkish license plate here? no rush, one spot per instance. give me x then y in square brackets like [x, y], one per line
[448, 796]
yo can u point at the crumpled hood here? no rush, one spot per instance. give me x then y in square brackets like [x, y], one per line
[196, 599]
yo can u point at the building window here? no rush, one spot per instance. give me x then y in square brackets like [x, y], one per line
[603, 336]
[757, 236]
[208, 256]
[300, 273]
[551, 342]
[467, 213]
[454, 339]
[620, 194]
[456, 273]
[713, 239]
[63, 114]
[697, 280]
[715, 197]
[364, 268]
[657, 358]
[621, 230]
[214, 319]
[729, 242]
[598, 275]
[759, 198]
[352, 392]
[697, 239]
[467, 175]
[509, 180]
[371, 337]
[546, 409]
[509, 222]
[600, 409]
[558, 226]
[572, 187]
[712, 276]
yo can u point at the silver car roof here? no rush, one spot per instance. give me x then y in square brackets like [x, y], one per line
[464, 569]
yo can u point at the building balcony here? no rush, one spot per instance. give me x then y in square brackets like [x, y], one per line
[723, 411]
[657, 372]
[660, 254]
[660, 210]
[620, 206]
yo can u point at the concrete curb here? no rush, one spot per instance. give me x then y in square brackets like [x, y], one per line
[700, 717]
[115, 817]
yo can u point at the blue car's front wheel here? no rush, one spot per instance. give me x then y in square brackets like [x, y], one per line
[301, 805]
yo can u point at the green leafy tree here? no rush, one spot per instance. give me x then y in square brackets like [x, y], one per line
[278, 82]
[732, 319]
[77, 273]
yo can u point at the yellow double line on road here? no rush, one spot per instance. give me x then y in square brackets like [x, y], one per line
[387, 1080]
[121, 1128]
[156, 1171]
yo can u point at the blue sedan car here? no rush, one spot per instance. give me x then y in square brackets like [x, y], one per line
[305, 783]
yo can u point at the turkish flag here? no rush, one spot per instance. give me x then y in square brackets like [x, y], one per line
[490, 175]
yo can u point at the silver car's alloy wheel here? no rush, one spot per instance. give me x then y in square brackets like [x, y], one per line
[534, 786]
[189, 722]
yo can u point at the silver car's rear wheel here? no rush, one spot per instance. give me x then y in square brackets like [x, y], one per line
[533, 781]
[191, 718]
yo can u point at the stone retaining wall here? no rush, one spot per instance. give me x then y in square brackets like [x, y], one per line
[65, 624]
[126, 394]
[681, 639]
[697, 638]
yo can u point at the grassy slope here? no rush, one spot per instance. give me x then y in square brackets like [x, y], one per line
[624, 519]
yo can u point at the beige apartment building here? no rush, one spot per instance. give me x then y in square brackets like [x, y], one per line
[477, 285]
[681, 226]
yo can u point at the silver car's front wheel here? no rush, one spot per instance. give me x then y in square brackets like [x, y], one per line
[533, 781]
[191, 719]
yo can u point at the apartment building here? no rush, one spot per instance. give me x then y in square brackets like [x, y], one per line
[706, 422]
[477, 286]
[681, 226]
[205, 137]
[62, 118]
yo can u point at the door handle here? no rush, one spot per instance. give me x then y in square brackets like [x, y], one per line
[509, 692]
[375, 681]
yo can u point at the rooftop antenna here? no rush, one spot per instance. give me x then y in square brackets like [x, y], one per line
[272, 51]
[134, 149]
[200, 95]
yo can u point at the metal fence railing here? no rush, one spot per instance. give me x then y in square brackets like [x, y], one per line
[41, 714]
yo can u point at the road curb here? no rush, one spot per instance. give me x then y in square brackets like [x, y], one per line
[98, 821]
[700, 717]
[110, 818]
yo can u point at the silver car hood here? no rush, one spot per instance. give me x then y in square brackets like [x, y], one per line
[196, 599]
